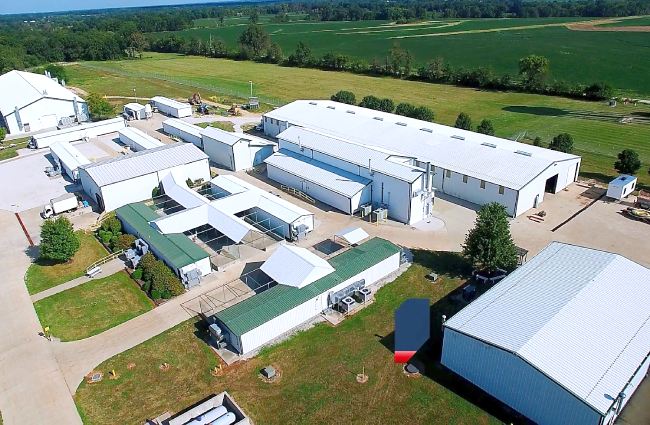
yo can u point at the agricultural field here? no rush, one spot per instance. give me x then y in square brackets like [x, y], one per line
[599, 135]
[577, 53]
[308, 391]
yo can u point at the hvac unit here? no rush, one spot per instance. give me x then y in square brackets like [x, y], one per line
[192, 278]
[365, 210]
[217, 339]
[347, 304]
[380, 214]
[469, 292]
[363, 295]
[134, 255]
[299, 232]
[336, 297]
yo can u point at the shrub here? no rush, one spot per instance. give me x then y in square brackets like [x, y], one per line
[386, 105]
[155, 295]
[537, 141]
[124, 242]
[175, 287]
[562, 143]
[3, 133]
[628, 162]
[165, 295]
[146, 287]
[58, 241]
[370, 102]
[463, 121]
[146, 262]
[112, 224]
[345, 97]
[405, 109]
[423, 113]
[159, 273]
[189, 182]
[137, 273]
[154, 192]
[485, 127]
[106, 237]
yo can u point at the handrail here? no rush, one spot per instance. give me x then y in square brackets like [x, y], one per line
[298, 194]
[105, 260]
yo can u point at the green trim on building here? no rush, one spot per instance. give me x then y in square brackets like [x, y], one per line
[259, 309]
[177, 249]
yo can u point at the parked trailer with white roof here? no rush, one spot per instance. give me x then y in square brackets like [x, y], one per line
[79, 132]
[621, 187]
[138, 140]
[68, 158]
[183, 130]
[171, 107]
[135, 111]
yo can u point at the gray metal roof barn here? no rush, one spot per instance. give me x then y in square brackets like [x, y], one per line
[563, 339]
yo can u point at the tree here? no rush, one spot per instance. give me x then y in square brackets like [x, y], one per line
[370, 102]
[423, 113]
[58, 241]
[344, 96]
[562, 143]
[386, 105]
[124, 242]
[533, 69]
[463, 121]
[405, 109]
[485, 127]
[255, 38]
[112, 224]
[489, 245]
[537, 141]
[255, 17]
[274, 53]
[99, 107]
[599, 91]
[628, 162]
[58, 71]
[146, 263]
[302, 55]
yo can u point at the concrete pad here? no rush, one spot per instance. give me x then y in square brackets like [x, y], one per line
[91, 150]
[25, 185]
[108, 143]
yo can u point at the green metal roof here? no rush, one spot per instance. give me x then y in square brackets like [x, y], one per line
[177, 248]
[259, 309]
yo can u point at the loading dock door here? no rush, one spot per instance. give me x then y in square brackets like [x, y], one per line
[551, 184]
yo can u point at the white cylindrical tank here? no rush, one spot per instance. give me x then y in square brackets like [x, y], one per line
[209, 417]
[226, 419]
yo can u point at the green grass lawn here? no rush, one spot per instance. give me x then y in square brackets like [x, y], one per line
[223, 125]
[598, 134]
[318, 369]
[8, 152]
[43, 275]
[93, 307]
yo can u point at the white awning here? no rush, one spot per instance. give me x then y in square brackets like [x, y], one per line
[353, 235]
[294, 266]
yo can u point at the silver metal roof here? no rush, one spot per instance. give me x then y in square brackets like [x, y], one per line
[351, 152]
[68, 154]
[192, 129]
[477, 155]
[317, 172]
[222, 136]
[140, 138]
[578, 315]
[170, 102]
[144, 162]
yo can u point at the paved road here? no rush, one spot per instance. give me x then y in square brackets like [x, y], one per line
[32, 386]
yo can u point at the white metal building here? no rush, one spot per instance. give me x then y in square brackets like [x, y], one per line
[138, 140]
[32, 102]
[303, 291]
[132, 178]
[78, 132]
[564, 339]
[347, 175]
[183, 130]
[171, 107]
[467, 165]
[621, 187]
[235, 151]
[135, 111]
[68, 158]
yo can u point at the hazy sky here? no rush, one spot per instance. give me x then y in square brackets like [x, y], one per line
[39, 6]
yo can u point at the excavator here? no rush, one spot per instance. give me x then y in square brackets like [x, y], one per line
[195, 100]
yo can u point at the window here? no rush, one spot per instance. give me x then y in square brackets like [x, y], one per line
[501, 190]
[433, 169]
[464, 178]
[482, 184]
[448, 174]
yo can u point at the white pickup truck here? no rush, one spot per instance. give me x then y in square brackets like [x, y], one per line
[67, 202]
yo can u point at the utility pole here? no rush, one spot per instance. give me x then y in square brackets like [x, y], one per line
[135, 95]
[251, 88]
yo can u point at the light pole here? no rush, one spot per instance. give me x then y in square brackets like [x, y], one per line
[251, 88]
[135, 95]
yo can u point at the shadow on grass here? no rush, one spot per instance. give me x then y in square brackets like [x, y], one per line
[615, 117]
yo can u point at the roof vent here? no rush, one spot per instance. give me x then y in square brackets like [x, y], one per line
[403, 124]
[524, 153]
[623, 178]
[312, 103]
[378, 118]
[489, 145]
[350, 112]
[331, 107]
[457, 137]
[428, 130]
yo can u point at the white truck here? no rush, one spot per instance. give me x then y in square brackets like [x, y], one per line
[67, 202]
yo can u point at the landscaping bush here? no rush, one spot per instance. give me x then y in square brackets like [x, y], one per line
[463, 121]
[124, 242]
[562, 142]
[146, 262]
[105, 237]
[112, 224]
[175, 287]
[165, 295]
[137, 274]
[146, 287]
[155, 295]
[344, 97]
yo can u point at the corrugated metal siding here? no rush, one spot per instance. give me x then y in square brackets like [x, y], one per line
[137, 139]
[220, 136]
[514, 382]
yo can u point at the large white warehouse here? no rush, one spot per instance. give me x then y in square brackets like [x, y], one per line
[565, 339]
[171, 107]
[32, 102]
[132, 178]
[347, 175]
[235, 151]
[467, 165]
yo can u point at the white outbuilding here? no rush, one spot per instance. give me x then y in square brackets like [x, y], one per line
[32, 102]
[77, 132]
[68, 158]
[235, 151]
[621, 187]
[564, 339]
[138, 140]
[171, 107]
[132, 178]
[136, 111]
[183, 130]
[467, 165]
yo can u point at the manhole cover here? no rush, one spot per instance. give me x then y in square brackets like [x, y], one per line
[96, 376]
[411, 368]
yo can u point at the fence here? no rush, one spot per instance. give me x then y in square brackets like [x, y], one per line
[298, 194]
[105, 260]
[242, 94]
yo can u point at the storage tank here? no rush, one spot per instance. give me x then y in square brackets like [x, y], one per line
[209, 417]
[226, 419]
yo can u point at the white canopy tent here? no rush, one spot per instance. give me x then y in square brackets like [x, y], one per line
[352, 236]
[295, 266]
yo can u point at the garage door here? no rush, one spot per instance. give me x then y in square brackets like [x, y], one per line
[49, 121]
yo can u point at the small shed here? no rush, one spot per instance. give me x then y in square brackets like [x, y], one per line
[135, 111]
[171, 107]
[235, 151]
[621, 187]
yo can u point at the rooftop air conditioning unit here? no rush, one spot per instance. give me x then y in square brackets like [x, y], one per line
[380, 214]
[347, 304]
[363, 295]
[365, 209]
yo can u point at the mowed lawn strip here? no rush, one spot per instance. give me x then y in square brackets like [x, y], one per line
[318, 369]
[44, 275]
[92, 307]
[222, 125]
[599, 136]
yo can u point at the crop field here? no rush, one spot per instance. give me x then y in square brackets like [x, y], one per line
[599, 135]
[577, 56]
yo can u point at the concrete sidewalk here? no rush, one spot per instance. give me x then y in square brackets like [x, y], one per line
[32, 387]
[108, 269]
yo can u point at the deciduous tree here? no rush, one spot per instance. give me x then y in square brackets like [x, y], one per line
[255, 38]
[628, 162]
[99, 107]
[58, 241]
[562, 143]
[533, 69]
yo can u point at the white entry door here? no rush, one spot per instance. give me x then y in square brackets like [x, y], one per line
[49, 121]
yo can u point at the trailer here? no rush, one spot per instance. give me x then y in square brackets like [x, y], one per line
[64, 203]
[621, 187]
[171, 107]
[183, 130]
[79, 132]
[135, 111]
[138, 140]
